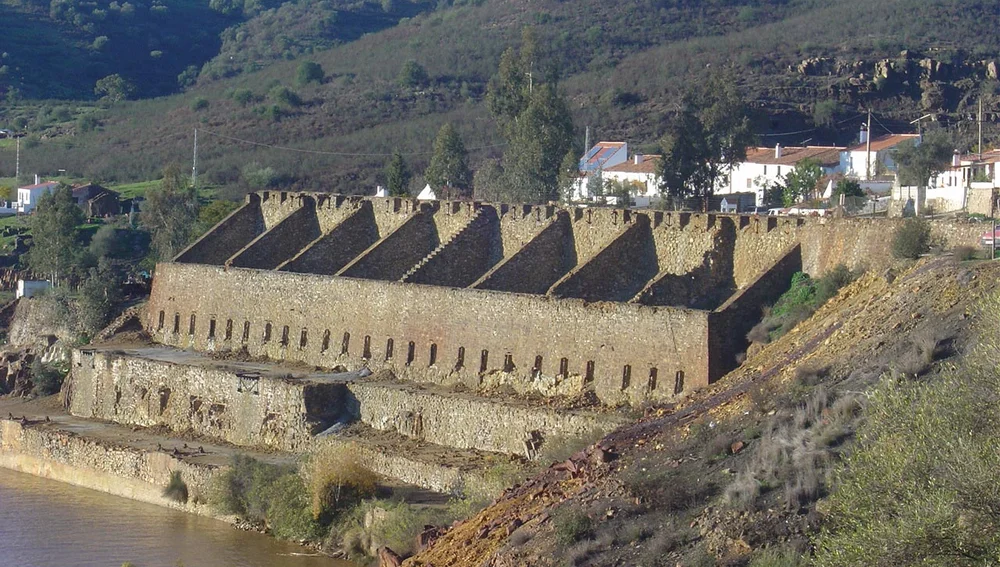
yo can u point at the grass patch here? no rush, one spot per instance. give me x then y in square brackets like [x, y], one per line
[571, 525]
[804, 296]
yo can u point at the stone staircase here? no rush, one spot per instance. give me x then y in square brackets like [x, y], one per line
[482, 218]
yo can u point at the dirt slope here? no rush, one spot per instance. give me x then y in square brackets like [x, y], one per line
[882, 322]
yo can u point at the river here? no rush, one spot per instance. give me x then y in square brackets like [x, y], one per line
[44, 523]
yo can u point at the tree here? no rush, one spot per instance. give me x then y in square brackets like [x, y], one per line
[569, 173]
[488, 182]
[847, 188]
[170, 213]
[397, 176]
[412, 75]
[918, 161]
[309, 72]
[708, 136]
[508, 92]
[801, 182]
[55, 249]
[114, 88]
[449, 166]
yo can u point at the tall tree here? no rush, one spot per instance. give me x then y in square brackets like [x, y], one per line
[55, 249]
[801, 182]
[170, 213]
[918, 161]
[537, 144]
[569, 173]
[508, 92]
[449, 165]
[397, 176]
[708, 136]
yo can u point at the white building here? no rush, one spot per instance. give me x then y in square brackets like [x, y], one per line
[640, 173]
[27, 197]
[427, 194]
[878, 156]
[31, 288]
[767, 166]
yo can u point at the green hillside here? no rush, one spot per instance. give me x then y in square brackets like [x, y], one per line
[620, 64]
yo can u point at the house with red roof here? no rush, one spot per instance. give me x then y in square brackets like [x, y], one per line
[764, 167]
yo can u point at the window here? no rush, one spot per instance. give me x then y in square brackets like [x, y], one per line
[159, 324]
[564, 367]
[229, 329]
[652, 379]
[284, 336]
[325, 345]
[626, 377]
[366, 349]
[246, 331]
[679, 382]
[484, 360]
[191, 326]
[303, 338]
[267, 332]
[538, 365]
[177, 323]
[388, 349]
[508, 362]
[345, 343]
[211, 328]
[460, 361]
[434, 355]
[411, 353]
[749, 183]
[589, 377]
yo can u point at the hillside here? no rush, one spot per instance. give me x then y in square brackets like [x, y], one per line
[808, 67]
[673, 489]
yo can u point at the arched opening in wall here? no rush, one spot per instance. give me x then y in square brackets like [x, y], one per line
[411, 353]
[679, 382]
[652, 379]
[484, 361]
[284, 335]
[177, 323]
[564, 367]
[433, 355]
[267, 332]
[303, 338]
[388, 349]
[246, 332]
[537, 369]
[345, 343]
[229, 329]
[325, 345]
[460, 361]
[589, 376]
[626, 377]
[211, 328]
[191, 326]
[508, 362]
[366, 349]
[159, 324]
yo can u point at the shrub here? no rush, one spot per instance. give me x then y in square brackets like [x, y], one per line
[176, 489]
[244, 488]
[199, 103]
[45, 379]
[309, 72]
[571, 525]
[964, 253]
[558, 448]
[911, 239]
[412, 75]
[281, 94]
[243, 97]
[288, 513]
[337, 481]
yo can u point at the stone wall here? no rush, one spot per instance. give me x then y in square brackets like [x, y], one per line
[115, 469]
[392, 256]
[429, 333]
[228, 237]
[341, 244]
[537, 264]
[981, 201]
[282, 241]
[465, 256]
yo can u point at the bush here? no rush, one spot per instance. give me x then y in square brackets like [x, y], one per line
[176, 489]
[963, 253]
[309, 72]
[571, 525]
[337, 481]
[285, 96]
[288, 513]
[199, 103]
[244, 488]
[911, 239]
[804, 296]
[243, 97]
[45, 379]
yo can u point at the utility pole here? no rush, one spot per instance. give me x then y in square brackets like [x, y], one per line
[868, 148]
[980, 128]
[17, 162]
[194, 162]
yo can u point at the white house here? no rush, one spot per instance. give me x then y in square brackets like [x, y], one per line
[766, 166]
[878, 156]
[427, 194]
[640, 173]
[31, 288]
[27, 197]
[381, 191]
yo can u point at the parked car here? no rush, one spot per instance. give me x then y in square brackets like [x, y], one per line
[986, 239]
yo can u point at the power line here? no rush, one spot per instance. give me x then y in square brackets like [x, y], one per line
[327, 153]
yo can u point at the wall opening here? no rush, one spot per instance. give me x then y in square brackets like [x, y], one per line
[345, 343]
[626, 377]
[434, 355]
[652, 379]
[284, 335]
[177, 323]
[159, 324]
[411, 353]
[460, 361]
[325, 344]
[246, 332]
[191, 325]
[388, 349]
[537, 369]
[564, 367]
[267, 332]
[303, 338]
[508, 362]
[679, 382]
[589, 376]
[229, 329]
[484, 361]
[211, 328]
[366, 350]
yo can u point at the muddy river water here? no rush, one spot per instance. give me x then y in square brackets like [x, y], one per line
[44, 523]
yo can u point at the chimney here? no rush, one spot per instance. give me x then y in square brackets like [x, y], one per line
[777, 151]
[956, 159]
[637, 159]
[863, 138]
